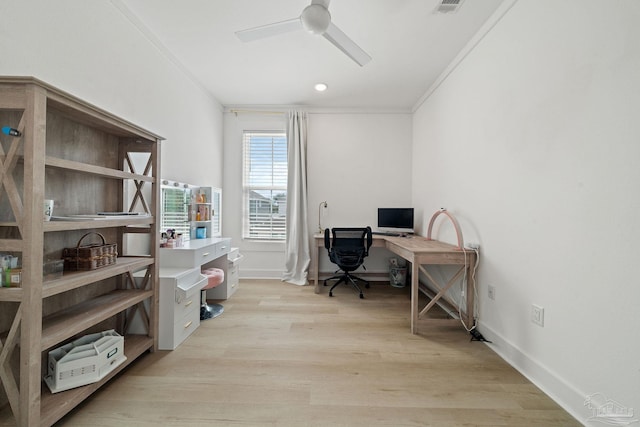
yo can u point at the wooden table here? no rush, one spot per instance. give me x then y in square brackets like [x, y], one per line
[421, 252]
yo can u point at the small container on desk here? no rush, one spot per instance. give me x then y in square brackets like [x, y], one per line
[13, 278]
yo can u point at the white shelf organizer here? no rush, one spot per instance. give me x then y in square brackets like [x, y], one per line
[84, 361]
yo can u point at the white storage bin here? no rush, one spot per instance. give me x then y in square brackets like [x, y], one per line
[84, 361]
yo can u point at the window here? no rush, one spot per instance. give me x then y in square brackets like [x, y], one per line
[265, 185]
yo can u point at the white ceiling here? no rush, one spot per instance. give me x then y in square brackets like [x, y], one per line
[410, 44]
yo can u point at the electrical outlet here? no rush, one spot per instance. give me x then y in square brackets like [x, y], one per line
[492, 292]
[537, 315]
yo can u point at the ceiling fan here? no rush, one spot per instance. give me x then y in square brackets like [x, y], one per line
[316, 19]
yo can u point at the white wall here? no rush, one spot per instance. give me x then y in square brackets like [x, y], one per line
[91, 50]
[533, 141]
[261, 259]
[357, 162]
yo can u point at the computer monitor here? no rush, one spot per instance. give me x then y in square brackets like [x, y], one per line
[395, 219]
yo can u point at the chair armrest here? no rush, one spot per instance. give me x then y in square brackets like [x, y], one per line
[369, 239]
[327, 240]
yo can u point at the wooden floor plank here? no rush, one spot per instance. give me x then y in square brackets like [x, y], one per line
[281, 355]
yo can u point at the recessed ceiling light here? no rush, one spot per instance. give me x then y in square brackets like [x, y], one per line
[321, 87]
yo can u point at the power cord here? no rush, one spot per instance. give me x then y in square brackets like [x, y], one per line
[477, 336]
[473, 331]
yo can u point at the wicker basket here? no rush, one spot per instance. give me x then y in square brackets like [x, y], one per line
[90, 256]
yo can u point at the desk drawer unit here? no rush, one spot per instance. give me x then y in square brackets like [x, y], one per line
[231, 278]
[185, 326]
[179, 305]
[195, 253]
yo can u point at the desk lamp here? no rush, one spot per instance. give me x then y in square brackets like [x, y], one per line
[320, 206]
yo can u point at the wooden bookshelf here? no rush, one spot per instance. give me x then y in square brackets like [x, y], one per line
[87, 160]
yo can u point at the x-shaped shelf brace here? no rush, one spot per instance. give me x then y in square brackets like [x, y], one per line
[6, 375]
[139, 184]
[8, 163]
[131, 283]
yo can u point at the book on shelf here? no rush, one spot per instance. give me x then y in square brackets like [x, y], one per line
[100, 216]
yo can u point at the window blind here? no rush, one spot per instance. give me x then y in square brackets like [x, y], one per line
[264, 185]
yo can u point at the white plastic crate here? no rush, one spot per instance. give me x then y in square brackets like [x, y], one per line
[84, 361]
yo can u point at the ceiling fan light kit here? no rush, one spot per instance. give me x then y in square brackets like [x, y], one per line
[316, 19]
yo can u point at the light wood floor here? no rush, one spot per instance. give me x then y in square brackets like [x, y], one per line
[281, 355]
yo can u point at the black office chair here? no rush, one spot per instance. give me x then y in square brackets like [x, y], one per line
[347, 250]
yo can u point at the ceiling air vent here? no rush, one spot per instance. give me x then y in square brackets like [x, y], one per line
[448, 6]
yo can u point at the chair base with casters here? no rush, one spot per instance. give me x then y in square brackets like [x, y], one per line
[347, 278]
[209, 311]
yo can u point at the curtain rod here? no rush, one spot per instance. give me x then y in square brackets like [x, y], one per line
[236, 111]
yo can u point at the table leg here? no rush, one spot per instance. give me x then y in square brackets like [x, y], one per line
[415, 294]
[315, 267]
[471, 286]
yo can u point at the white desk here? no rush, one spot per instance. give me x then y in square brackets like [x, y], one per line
[420, 251]
[201, 253]
[181, 283]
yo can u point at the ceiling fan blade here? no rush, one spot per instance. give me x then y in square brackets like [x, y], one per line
[346, 45]
[269, 30]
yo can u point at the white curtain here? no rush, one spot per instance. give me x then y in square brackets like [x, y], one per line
[297, 251]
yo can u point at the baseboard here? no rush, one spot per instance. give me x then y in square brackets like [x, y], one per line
[372, 276]
[552, 384]
[277, 274]
[259, 274]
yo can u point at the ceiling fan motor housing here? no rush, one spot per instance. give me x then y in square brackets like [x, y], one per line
[315, 18]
